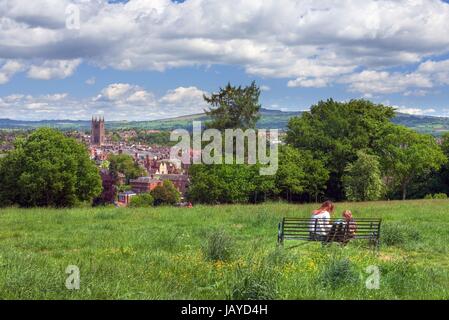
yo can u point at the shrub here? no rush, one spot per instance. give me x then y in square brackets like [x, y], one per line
[141, 201]
[338, 272]
[254, 283]
[218, 247]
[394, 234]
[436, 196]
[166, 194]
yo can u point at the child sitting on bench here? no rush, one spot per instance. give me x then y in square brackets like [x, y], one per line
[344, 229]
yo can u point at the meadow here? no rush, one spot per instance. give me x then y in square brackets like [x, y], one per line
[221, 252]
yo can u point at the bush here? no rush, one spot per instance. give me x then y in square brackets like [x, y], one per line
[218, 247]
[254, 283]
[436, 196]
[166, 194]
[338, 272]
[141, 201]
[395, 234]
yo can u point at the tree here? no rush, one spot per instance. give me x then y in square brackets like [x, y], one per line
[300, 174]
[407, 155]
[290, 177]
[439, 182]
[263, 186]
[317, 175]
[141, 201]
[124, 163]
[234, 107]
[223, 183]
[204, 187]
[363, 179]
[334, 132]
[166, 194]
[48, 169]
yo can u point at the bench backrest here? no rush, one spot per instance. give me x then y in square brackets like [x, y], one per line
[301, 228]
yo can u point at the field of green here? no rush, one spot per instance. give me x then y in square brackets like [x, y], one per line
[173, 253]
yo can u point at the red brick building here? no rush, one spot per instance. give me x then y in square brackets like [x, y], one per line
[144, 184]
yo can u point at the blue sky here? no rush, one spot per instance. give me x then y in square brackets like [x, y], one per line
[139, 59]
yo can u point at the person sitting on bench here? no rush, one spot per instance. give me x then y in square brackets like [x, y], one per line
[320, 221]
[344, 229]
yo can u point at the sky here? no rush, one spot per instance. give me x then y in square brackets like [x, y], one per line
[154, 59]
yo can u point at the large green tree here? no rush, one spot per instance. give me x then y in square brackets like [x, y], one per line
[334, 132]
[234, 107]
[125, 164]
[363, 178]
[48, 169]
[407, 155]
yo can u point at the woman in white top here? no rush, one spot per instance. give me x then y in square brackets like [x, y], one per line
[320, 221]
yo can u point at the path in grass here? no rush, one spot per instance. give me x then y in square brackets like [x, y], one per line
[156, 253]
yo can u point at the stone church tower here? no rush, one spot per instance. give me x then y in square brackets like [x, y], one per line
[97, 137]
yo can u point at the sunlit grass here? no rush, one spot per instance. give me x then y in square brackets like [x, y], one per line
[158, 253]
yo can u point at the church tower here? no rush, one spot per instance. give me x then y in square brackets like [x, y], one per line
[97, 137]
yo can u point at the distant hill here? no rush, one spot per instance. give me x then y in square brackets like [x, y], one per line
[269, 119]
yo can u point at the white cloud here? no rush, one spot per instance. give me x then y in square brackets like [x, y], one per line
[91, 81]
[9, 69]
[126, 96]
[118, 101]
[415, 111]
[51, 69]
[310, 43]
[309, 82]
[370, 82]
[182, 94]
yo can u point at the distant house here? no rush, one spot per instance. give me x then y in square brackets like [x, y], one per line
[124, 198]
[144, 184]
[181, 181]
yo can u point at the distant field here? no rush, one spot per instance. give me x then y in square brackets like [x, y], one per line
[157, 254]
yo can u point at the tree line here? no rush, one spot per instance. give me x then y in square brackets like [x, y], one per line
[338, 150]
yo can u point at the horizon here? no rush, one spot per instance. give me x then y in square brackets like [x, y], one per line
[195, 114]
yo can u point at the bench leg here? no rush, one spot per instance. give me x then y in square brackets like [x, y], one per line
[280, 234]
[280, 241]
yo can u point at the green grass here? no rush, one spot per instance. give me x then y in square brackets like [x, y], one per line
[159, 253]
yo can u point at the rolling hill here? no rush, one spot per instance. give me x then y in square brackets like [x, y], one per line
[269, 119]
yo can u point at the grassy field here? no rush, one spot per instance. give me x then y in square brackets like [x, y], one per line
[168, 253]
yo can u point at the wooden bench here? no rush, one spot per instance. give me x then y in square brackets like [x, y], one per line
[335, 230]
